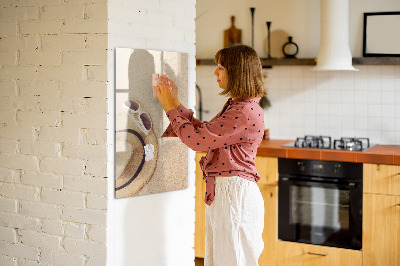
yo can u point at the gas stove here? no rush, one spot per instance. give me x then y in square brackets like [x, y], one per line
[325, 142]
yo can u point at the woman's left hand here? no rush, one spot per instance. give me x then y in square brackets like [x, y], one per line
[163, 92]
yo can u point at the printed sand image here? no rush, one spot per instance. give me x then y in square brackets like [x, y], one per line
[145, 163]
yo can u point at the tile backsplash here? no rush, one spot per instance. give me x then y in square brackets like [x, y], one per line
[364, 103]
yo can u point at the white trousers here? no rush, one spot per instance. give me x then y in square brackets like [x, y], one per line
[234, 223]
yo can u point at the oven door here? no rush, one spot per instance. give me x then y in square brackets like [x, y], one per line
[321, 212]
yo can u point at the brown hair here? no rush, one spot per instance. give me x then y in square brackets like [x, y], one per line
[245, 78]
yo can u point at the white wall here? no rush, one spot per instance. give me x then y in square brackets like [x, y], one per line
[155, 229]
[299, 18]
[338, 104]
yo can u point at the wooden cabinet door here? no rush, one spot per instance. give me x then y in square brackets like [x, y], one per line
[200, 207]
[267, 168]
[381, 230]
[270, 233]
[381, 179]
[297, 254]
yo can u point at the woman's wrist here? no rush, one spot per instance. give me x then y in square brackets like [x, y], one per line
[176, 104]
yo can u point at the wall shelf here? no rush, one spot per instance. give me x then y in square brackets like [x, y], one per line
[312, 61]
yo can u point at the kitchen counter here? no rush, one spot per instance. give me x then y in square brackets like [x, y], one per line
[379, 154]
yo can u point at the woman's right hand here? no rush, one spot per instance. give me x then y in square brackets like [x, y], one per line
[174, 89]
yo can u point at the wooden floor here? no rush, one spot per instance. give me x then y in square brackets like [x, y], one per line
[199, 262]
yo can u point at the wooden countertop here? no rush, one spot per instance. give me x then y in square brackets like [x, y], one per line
[379, 154]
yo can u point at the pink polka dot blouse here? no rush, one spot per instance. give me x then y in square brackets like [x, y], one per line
[231, 139]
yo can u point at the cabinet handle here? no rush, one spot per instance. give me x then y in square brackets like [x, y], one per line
[398, 204]
[318, 254]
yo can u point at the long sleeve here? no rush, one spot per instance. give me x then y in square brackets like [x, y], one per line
[186, 113]
[227, 129]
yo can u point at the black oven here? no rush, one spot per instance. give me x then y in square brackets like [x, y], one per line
[320, 202]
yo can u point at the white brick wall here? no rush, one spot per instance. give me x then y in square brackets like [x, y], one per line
[53, 106]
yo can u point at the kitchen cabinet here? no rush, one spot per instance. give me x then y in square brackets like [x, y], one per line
[381, 215]
[381, 179]
[267, 167]
[298, 254]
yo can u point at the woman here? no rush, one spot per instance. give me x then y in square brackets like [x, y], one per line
[235, 207]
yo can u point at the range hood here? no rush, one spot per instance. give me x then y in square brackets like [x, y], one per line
[334, 51]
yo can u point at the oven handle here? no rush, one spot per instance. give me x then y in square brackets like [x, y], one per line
[298, 181]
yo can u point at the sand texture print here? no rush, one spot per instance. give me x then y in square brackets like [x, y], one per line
[145, 163]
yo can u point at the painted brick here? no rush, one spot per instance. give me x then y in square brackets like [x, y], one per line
[7, 117]
[17, 161]
[84, 26]
[18, 13]
[89, 57]
[84, 247]
[7, 145]
[39, 118]
[16, 132]
[97, 42]
[17, 191]
[96, 169]
[73, 105]
[8, 205]
[30, 2]
[94, 201]
[63, 197]
[75, 230]
[7, 175]
[87, 88]
[86, 184]
[62, 166]
[25, 262]
[25, 103]
[40, 27]
[62, 12]
[84, 216]
[18, 72]
[8, 234]
[19, 251]
[41, 179]
[53, 227]
[98, 73]
[100, 260]
[60, 73]
[38, 209]
[19, 43]
[69, 42]
[61, 259]
[34, 239]
[8, 261]
[8, 58]
[85, 152]
[98, 121]
[97, 234]
[96, 11]
[94, 136]
[39, 87]
[39, 58]
[39, 148]
[7, 88]
[19, 221]
[67, 135]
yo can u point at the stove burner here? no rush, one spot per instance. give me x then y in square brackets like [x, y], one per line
[308, 141]
[351, 144]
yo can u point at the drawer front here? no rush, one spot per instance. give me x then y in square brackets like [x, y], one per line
[267, 168]
[294, 254]
[381, 179]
